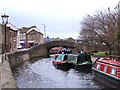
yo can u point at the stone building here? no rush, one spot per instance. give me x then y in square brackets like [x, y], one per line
[11, 38]
[30, 36]
[1, 39]
[70, 39]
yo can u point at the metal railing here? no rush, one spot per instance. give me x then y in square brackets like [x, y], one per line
[114, 57]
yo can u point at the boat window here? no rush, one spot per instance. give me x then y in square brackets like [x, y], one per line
[65, 58]
[105, 69]
[98, 66]
[113, 71]
[72, 58]
[75, 58]
[69, 58]
[59, 58]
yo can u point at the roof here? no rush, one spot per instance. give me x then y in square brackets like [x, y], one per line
[111, 62]
[24, 29]
[29, 29]
[12, 26]
[36, 29]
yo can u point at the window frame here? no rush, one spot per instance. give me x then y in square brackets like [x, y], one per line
[105, 69]
[98, 66]
[113, 71]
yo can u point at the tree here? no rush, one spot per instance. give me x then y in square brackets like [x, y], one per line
[100, 28]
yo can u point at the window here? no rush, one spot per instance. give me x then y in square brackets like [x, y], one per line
[98, 66]
[105, 69]
[60, 58]
[113, 71]
[74, 58]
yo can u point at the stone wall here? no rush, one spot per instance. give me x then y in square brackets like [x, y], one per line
[17, 58]
[38, 51]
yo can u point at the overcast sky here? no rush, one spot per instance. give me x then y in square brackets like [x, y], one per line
[61, 17]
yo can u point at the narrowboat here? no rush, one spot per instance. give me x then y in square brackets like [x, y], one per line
[107, 71]
[80, 61]
[60, 61]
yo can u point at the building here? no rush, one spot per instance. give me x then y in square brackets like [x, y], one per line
[70, 39]
[57, 39]
[29, 36]
[11, 38]
[1, 39]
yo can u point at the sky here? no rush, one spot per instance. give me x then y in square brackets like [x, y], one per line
[61, 17]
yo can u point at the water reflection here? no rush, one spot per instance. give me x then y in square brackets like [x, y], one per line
[42, 74]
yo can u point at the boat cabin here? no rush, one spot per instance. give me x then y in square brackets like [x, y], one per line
[108, 70]
[61, 62]
[79, 58]
[109, 67]
[80, 62]
[61, 57]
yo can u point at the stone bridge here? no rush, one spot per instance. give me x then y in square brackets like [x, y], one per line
[42, 50]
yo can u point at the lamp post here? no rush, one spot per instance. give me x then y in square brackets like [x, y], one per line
[44, 27]
[5, 22]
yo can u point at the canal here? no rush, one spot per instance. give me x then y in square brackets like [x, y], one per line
[42, 74]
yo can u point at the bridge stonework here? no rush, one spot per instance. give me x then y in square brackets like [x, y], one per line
[42, 50]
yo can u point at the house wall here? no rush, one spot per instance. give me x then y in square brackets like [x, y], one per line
[35, 36]
[30, 36]
[1, 41]
[41, 39]
[11, 41]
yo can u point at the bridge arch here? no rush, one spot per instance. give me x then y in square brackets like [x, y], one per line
[42, 50]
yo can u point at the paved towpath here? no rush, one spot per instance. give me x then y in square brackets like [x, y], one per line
[6, 77]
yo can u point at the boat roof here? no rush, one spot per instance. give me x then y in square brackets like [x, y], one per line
[61, 57]
[109, 61]
[61, 54]
[73, 54]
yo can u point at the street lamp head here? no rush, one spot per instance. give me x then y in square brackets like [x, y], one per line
[4, 19]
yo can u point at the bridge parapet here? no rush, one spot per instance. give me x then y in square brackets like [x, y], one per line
[42, 50]
[60, 43]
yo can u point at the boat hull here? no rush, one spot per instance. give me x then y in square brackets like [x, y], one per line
[82, 67]
[63, 65]
[106, 80]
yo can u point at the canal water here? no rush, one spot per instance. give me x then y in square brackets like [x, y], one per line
[42, 74]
